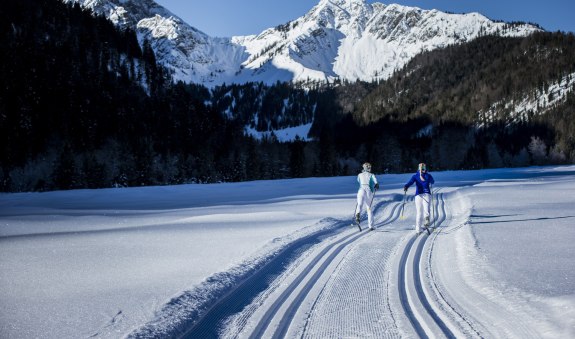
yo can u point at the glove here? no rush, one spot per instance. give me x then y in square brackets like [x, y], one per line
[376, 186]
[405, 188]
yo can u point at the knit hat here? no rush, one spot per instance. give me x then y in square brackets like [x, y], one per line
[367, 167]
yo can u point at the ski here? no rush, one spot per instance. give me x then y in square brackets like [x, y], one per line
[427, 229]
[355, 221]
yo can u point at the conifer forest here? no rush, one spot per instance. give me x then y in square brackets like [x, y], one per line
[83, 104]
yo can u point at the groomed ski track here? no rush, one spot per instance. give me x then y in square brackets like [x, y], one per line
[345, 283]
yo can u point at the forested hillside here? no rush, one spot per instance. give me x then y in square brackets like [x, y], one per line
[85, 105]
[454, 83]
[440, 98]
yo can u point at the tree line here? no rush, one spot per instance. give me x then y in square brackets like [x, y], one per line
[84, 105]
[438, 95]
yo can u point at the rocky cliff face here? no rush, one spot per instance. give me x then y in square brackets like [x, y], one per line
[336, 39]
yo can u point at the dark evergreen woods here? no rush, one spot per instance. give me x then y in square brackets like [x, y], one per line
[440, 98]
[85, 105]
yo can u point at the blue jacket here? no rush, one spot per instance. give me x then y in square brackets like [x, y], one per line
[421, 186]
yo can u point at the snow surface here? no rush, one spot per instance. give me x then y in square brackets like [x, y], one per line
[147, 262]
[283, 135]
[516, 111]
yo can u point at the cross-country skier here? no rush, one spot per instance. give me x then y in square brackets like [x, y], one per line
[422, 180]
[367, 186]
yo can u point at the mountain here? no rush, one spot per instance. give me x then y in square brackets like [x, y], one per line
[491, 102]
[192, 55]
[491, 79]
[336, 40]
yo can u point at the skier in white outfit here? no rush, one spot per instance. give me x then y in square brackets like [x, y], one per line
[367, 186]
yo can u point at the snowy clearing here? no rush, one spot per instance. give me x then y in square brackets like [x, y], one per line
[280, 259]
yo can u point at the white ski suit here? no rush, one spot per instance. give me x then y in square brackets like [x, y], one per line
[367, 182]
[422, 202]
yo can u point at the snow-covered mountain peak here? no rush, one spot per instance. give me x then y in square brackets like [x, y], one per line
[336, 39]
[353, 40]
[124, 12]
[160, 27]
[351, 6]
[192, 55]
[339, 14]
[341, 3]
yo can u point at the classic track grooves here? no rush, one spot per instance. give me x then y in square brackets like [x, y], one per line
[272, 311]
[404, 284]
[472, 329]
[300, 287]
[233, 302]
[288, 316]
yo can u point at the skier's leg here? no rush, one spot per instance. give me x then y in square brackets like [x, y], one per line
[426, 201]
[369, 212]
[360, 202]
[418, 212]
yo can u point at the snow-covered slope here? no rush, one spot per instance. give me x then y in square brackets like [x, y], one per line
[192, 55]
[350, 39]
[336, 39]
[522, 109]
[144, 262]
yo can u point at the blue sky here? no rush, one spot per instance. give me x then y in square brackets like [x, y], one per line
[225, 18]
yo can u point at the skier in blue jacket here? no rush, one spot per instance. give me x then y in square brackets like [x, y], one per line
[423, 182]
[367, 187]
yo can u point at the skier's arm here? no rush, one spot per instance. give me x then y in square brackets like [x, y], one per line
[375, 183]
[409, 183]
[431, 180]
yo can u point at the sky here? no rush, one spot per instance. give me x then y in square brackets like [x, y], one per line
[226, 18]
[136, 262]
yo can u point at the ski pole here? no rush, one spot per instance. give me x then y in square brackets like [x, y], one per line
[403, 205]
[373, 196]
[355, 222]
[432, 205]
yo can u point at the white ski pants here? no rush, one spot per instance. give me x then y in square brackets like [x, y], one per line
[422, 202]
[364, 198]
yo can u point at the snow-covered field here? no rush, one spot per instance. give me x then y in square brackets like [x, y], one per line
[279, 258]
